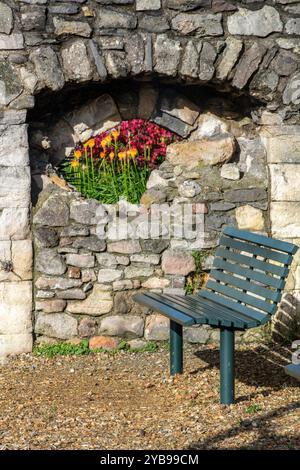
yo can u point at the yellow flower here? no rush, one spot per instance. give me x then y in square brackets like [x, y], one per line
[91, 143]
[104, 143]
[132, 152]
[108, 140]
[115, 134]
[74, 163]
[122, 155]
[77, 153]
[111, 155]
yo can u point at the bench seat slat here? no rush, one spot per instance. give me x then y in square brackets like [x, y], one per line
[220, 299]
[261, 240]
[241, 296]
[234, 268]
[252, 262]
[245, 285]
[266, 253]
[237, 319]
[208, 312]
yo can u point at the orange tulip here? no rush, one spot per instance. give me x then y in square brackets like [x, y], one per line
[74, 163]
[132, 152]
[122, 155]
[77, 153]
[102, 154]
[115, 134]
[111, 155]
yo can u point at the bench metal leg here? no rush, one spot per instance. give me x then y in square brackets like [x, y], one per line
[226, 366]
[176, 350]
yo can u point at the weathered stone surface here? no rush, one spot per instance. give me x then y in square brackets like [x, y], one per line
[154, 24]
[87, 327]
[64, 9]
[124, 247]
[109, 275]
[208, 56]
[156, 283]
[198, 335]
[145, 258]
[122, 285]
[155, 180]
[90, 243]
[10, 85]
[14, 186]
[76, 28]
[190, 60]
[291, 93]
[111, 18]
[33, 18]
[81, 261]
[292, 26]
[45, 282]
[230, 171]
[255, 23]
[172, 123]
[116, 64]
[57, 325]
[15, 307]
[76, 64]
[97, 303]
[21, 257]
[51, 306]
[178, 262]
[249, 218]
[207, 151]
[285, 63]
[155, 246]
[14, 224]
[189, 188]
[209, 125]
[264, 82]
[71, 294]
[75, 231]
[85, 211]
[126, 326]
[229, 57]
[282, 148]
[6, 18]
[47, 68]
[285, 220]
[185, 5]
[204, 24]
[179, 106]
[135, 271]
[49, 262]
[166, 55]
[53, 213]
[223, 5]
[285, 182]
[46, 237]
[157, 328]
[248, 64]
[15, 344]
[142, 5]
[103, 342]
[16, 155]
[245, 195]
[12, 42]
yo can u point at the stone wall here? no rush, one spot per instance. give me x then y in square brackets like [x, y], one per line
[244, 47]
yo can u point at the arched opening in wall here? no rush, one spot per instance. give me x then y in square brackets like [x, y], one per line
[215, 166]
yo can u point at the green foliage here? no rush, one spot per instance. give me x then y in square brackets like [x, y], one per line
[62, 349]
[253, 408]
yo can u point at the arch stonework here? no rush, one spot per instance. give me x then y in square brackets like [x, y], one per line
[241, 48]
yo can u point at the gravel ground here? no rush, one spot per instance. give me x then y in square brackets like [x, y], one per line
[128, 401]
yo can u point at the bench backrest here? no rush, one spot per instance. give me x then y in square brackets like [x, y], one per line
[249, 273]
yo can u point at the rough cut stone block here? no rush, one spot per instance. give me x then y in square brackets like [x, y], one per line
[49, 262]
[103, 342]
[167, 55]
[204, 24]
[47, 68]
[14, 187]
[22, 258]
[10, 85]
[285, 221]
[15, 344]
[109, 275]
[142, 5]
[81, 261]
[135, 271]
[110, 18]
[97, 303]
[198, 335]
[14, 41]
[157, 328]
[229, 58]
[56, 325]
[124, 247]
[178, 262]
[249, 218]
[285, 182]
[16, 155]
[76, 28]
[156, 283]
[53, 213]
[15, 307]
[180, 107]
[71, 294]
[87, 212]
[6, 19]
[118, 325]
[45, 282]
[14, 224]
[283, 148]
[255, 23]
[248, 64]
[51, 306]
[145, 258]
[76, 63]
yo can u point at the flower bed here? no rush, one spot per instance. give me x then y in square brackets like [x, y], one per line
[118, 163]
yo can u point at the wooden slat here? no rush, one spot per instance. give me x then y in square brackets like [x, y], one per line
[261, 240]
[172, 313]
[253, 262]
[234, 268]
[266, 253]
[241, 296]
[219, 318]
[248, 286]
[220, 299]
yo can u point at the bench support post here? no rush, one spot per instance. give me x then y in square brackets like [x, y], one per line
[176, 350]
[226, 366]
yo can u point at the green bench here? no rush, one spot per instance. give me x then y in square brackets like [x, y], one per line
[243, 291]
